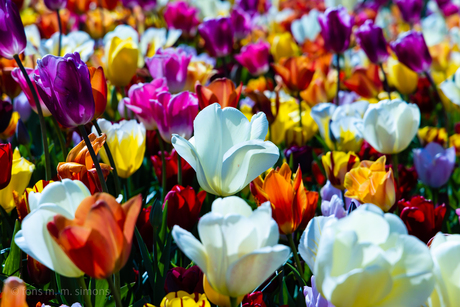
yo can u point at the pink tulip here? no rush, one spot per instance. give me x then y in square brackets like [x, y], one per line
[255, 58]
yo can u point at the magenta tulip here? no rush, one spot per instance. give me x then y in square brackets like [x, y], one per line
[370, 38]
[336, 25]
[218, 36]
[12, 35]
[182, 16]
[412, 51]
[255, 57]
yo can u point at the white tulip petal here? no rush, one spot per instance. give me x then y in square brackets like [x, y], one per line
[231, 205]
[266, 227]
[396, 224]
[259, 126]
[191, 247]
[173, 36]
[451, 90]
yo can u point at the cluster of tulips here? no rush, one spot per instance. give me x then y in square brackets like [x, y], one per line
[229, 153]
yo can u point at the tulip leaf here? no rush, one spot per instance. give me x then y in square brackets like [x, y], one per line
[125, 293]
[297, 274]
[13, 262]
[145, 258]
[99, 289]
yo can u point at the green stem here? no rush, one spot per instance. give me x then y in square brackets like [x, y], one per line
[233, 302]
[86, 297]
[163, 167]
[60, 32]
[300, 110]
[117, 280]
[394, 161]
[115, 292]
[296, 255]
[40, 118]
[385, 81]
[338, 80]
[60, 138]
[94, 157]
[179, 170]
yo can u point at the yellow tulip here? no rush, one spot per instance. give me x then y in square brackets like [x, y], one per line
[20, 176]
[183, 299]
[283, 46]
[121, 58]
[401, 77]
[432, 134]
[215, 297]
[454, 140]
[337, 164]
[197, 71]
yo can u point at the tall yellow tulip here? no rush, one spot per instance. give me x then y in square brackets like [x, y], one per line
[121, 58]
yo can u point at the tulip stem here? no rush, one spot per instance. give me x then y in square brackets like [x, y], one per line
[233, 302]
[60, 138]
[60, 33]
[86, 297]
[163, 168]
[40, 118]
[116, 179]
[385, 81]
[94, 157]
[179, 170]
[296, 255]
[115, 293]
[438, 98]
[300, 110]
[338, 79]
[394, 161]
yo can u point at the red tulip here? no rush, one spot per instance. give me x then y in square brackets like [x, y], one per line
[171, 170]
[255, 299]
[184, 207]
[6, 161]
[189, 280]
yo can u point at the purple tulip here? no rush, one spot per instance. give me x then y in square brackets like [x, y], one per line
[434, 164]
[302, 156]
[64, 86]
[313, 298]
[170, 64]
[141, 97]
[218, 36]
[412, 51]
[182, 16]
[146, 5]
[12, 35]
[175, 114]
[55, 5]
[447, 7]
[328, 191]
[241, 22]
[370, 38]
[336, 25]
[124, 110]
[253, 6]
[255, 58]
[410, 10]
[333, 207]
[22, 106]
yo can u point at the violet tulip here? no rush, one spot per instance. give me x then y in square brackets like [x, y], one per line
[412, 51]
[410, 10]
[12, 35]
[170, 64]
[64, 86]
[241, 22]
[218, 36]
[255, 57]
[182, 16]
[253, 6]
[434, 164]
[146, 5]
[370, 38]
[141, 97]
[333, 207]
[54, 5]
[336, 25]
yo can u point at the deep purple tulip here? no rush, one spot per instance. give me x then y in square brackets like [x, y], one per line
[64, 86]
[12, 35]
[370, 38]
[170, 64]
[241, 22]
[218, 36]
[253, 6]
[412, 51]
[410, 9]
[189, 280]
[434, 164]
[255, 57]
[55, 5]
[336, 25]
[146, 5]
[447, 7]
[6, 111]
[181, 15]
[302, 156]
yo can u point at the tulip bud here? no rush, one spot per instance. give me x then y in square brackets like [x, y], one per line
[337, 164]
[370, 38]
[412, 51]
[336, 25]
[184, 207]
[12, 35]
[218, 36]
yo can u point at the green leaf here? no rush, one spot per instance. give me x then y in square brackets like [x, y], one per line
[145, 258]
[13, 262]
[99, 290]
[297, 275]
[125, 294]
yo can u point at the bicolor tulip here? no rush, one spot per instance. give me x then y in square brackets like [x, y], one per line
[54, 5]
[75, 41]
[12, 35]
[65, 88]
[412, 51]
[180, 279]
[13, 293]
[182, 16]
[120, 60]
[182, 298]
[230, 162]
[400, 76]
[292, 205]
[336, 25]
[218, 36]
[429, 134]
[254, 237]
[370, 38]
[255, 58]
[390, 126]
[126, 141]
[337, 164]
[184, 206]
[434, 164]
[99, 87]
[155, 38]
[22, 202]
[295, 72]
[410, 10]
[371, 183]
[6, 160]
[222, 91]
[172, 168]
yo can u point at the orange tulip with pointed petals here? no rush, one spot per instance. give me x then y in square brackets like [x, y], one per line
[221, 90]
[99, 239]
[99, 86]
[13, 293]
[296, 72]
[292, 205]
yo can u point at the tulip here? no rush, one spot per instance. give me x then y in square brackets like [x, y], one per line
[172, 168]
[182, 16]
[65, 88]
[421, 217]
[218, 36]
[390, 126]
[337, 164]
[222, 91]
[306, 28]
[371, 183]
[255, 58]
[54, 5]
[7, 84]
[22, 202]
[258, 254]
[35, 240]
[121, 56]
[182, 298]
[295, 73]
[241, 22]
[146, 5]
[9, 120]
[283, 46]
[253, 6]
[13, 293]
[370, 38]
[153, 39]
[429, 134]
[198, 71]
[401, 77]
[333, 207]
[301, 156]
[336, 26]
[12, 35]
[99, 87]
[434, 164]
[313, 298]
[227, 165]
[172, 65]
[6, 160]
[292, 205]
[126, 141]
[410, 10]
[75, 41]
[184, 206]
[189, 280]
[451, 88]
[406, 280]
[21, 105]
[412, 51]
[141, 98]
[255, 299]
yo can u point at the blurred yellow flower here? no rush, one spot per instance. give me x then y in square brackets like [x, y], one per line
[121, 58]
[337, 164]
[401, 77]
[283, 46]
[432, 134]
[197, 71]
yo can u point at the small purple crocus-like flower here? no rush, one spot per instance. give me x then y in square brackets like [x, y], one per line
[182, 16]
[412, 51]
[55, 5]
[174, 114]
[370, 38]
[141, 97]
[170, 64]
[241, 22]
[255, 57]
[218, 36]
[336, 25]
[313, 298]
[410, 10]
[64, 86]
[328, 191]
[12, 35]
[434, 164]
[333, 207]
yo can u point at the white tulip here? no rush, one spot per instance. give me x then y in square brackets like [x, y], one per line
[238, 249]
[368, 259]
[348, 4]
[77, 41]
[307, 27]
[153, 39]
[227, 151]
[35, 240]
[390, 126]
[451, 88]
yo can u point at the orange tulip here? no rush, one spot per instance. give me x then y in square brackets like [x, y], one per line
[337, 164]
[322, 88]
[291, 203]
[295, 72]
[99, 239]
[221, 90]
[13, 293]
[99, 86]
[365, 82]
[79, 165]
[371, 183]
